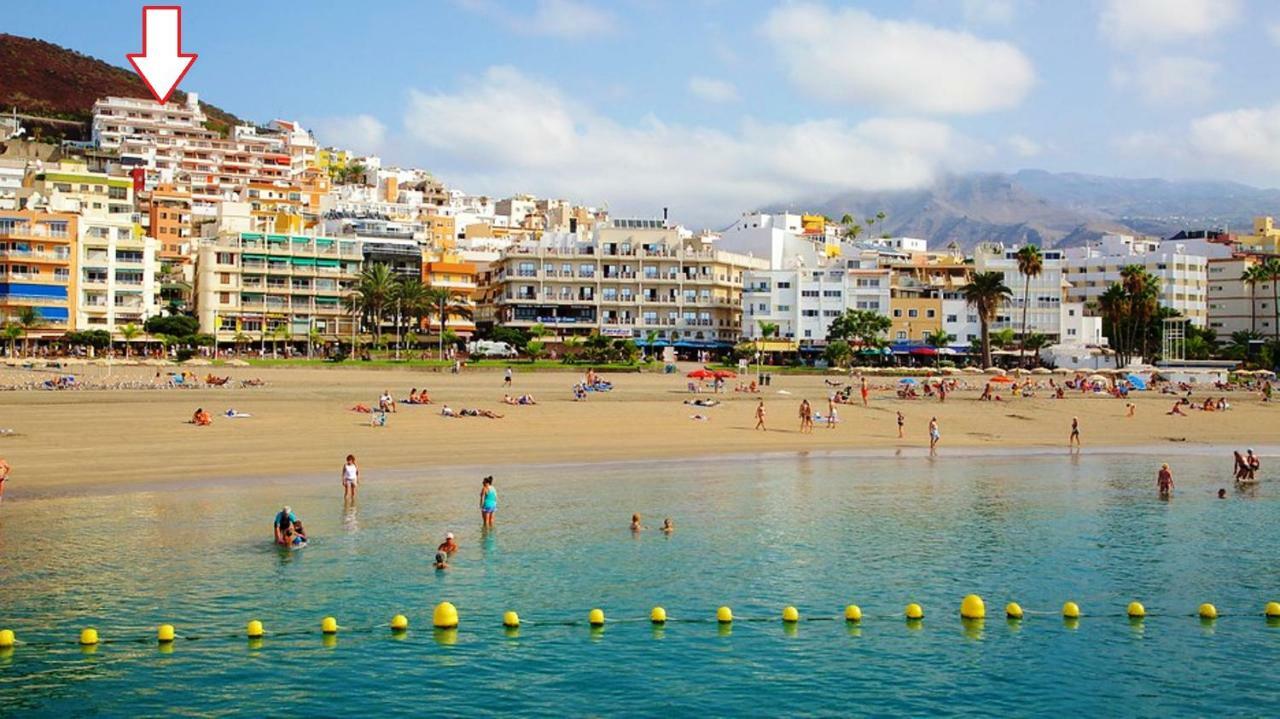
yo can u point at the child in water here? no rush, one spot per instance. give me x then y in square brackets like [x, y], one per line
[635, 523]
[442, 561]
[668, 526]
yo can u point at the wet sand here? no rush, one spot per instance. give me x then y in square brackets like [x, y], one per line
[121, 440]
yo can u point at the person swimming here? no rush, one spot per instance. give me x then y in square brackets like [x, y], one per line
[668, 526]
[299, 534]
[442, 561]
[448, 546]
[636, 526]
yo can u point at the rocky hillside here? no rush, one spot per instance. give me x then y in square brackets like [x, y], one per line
[40, 78]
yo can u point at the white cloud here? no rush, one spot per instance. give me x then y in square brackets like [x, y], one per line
[508, 132]
[853, 57]
[988, 12]
[361, 133]
[1139, 22]
[1248, 138]
[713, 90]
[554, 18]
[1273, 32]
[1167, 80]
[1024, 146]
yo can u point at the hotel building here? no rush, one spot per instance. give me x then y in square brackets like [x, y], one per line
[250, 284]
[38, 268]
[625, 279]
[1183, 276]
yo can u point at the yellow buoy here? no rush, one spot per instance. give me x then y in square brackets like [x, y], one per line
[915, 611]
[445, 616]
[853, 613]
[1071, 610]
[254, 629]
[165, 633]
[399, 623]
[724, 615]
[510, 619]
[596, 617]
[972, 607]
[6, 638]
[790, 614]
[1135, 610]
[1013, 610]
[329, 625]
[1207, 611]
[1272, 609]
[88, 637]
[658, 615]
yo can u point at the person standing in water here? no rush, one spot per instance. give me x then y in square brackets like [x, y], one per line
[1075, 433]
[934, 435]
[1164, 481]
[488, 501]
[350, 478]
[760, 416]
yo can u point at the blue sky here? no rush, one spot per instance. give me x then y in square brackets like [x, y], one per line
[714, 107]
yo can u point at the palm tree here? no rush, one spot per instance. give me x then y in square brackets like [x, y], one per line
[650, 338]
[280, 334]
[129, 332]
[1143, 291]
[372, 295]
[314, 337]
[1035, 342]
[768, 329]
[1253, 276]
[985, 293]
[240, 339]
[446, 303]
[411, 296]
[938, 339]
[1030, 264]
[11, 332]
[1271, 270]
[29, 319]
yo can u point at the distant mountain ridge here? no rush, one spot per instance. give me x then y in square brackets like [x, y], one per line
[41, 78]
[1050, 209]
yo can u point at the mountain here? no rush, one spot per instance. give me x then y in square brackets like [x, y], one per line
[1051, 209]
[40, 78]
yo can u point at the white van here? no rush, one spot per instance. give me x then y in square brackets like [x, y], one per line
[485, 348]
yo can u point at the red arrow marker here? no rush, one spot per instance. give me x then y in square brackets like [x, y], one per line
[162, 64]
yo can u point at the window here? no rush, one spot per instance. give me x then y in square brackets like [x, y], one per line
[913, 313]
[831, 293]
[224, 297]
[809, 313]
[901, 335]
[808, 293]
[831, 313]
[951, 319]
[784, 285]
[897, 313]
[930, 314]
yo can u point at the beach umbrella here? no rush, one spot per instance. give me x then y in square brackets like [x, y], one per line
[951, 370]
[1136, 381]
[1002, 379]
[1041, 370]
[701, 374]
[1265, 373]
[973, 370]
[1096, 378]
[993, 370]
[1063, 370]
[724, 374]
[1022, 371]
[906, 380]
[926, 351]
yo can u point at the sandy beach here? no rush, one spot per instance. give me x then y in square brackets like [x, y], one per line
[301, 425]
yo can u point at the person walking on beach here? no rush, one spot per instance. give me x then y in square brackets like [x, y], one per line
[506, 378]
[760, 417]
[488, 501]
[934, 435]
[864, 391]
[350, 478]
[832, 417]
[1164, 481]
[806, 416]
[901, 421]
[1075, 433]
[4, 474]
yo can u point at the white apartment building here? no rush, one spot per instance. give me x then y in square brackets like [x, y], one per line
[1183, 276]
[625, 278]
[1047, 290]
[810, 288]
[11, 173]
[1234, 305]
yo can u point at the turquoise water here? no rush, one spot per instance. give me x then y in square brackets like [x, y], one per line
[817, 533]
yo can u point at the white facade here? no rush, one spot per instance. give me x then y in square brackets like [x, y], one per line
[117, 274]
[1046, 292]
[762, 235]
[1183, 275]
[959, 319]
[11, 174]
[1235, 306]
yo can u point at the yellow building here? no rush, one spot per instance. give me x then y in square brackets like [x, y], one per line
[914, 314]
[1265, 237]
[441, 232]
[332, 158]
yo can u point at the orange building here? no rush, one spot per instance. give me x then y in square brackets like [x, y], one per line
[171, 223]
[38, 269]
[449, 272]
